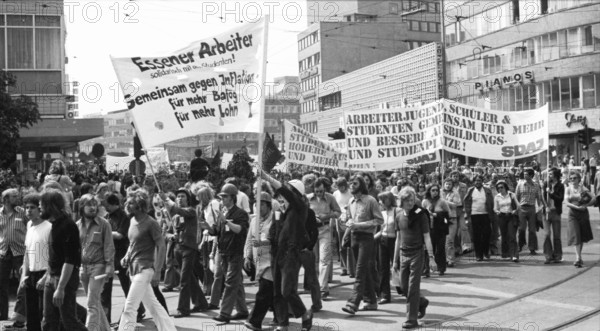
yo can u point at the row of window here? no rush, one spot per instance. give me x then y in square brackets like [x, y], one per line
[120, 133]
[416, 44]
[311, 127]
[308, 40]
[330, 101]
[310, 84]
[579, 92]
[499, 17]
[423, 26]
[309, 106]
[114, 121]
[547, 47]
[281, 109]
[408, 5]
[309, 62]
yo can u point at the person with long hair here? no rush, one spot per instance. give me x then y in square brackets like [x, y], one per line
[144, 260]
[208, 211]
[58, 173]
[452, 198]
[579, 230]
[387, 239]
[439, 212]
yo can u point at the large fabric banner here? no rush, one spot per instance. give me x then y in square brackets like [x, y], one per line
[213, 85]
[391, 138]
[301, 147]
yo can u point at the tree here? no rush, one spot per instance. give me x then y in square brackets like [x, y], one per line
[15, 113]
[240, 166]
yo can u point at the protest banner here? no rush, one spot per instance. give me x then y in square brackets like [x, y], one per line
[383, 139]
[391, 138]
[211, 86]
[494, 134]
[301, 147]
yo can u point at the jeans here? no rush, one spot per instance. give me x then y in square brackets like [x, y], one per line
[438, 241]
[411, 268]
[348, 262]
[363, 245]
[307, 258]
[264, 301]
[494, 236]
[35, 301]
[66, 314]
[508, 230]
[285, 281]
[106, 296]
[8, 263]
[323, 257]
[481, 234]
[452, 232]
[234, 294]
[218, 282]
[386, 254]
[172, 275]
[528, 220]
[141, 291]
[552, 244]
[207, 281]
[189, 280]
[96, 317]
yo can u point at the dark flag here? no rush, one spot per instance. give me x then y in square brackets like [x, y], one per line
[271, 153]
[216, 161]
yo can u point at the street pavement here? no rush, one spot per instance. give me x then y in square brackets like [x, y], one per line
[491, 295]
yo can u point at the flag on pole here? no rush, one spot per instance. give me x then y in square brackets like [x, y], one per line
[271, 153]
[216, 161]
[211, 86]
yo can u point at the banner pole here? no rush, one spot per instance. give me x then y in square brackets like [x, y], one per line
[261, 127]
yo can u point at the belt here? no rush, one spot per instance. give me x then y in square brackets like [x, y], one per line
[412, 249]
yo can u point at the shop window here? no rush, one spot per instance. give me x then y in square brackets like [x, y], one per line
[588, 91]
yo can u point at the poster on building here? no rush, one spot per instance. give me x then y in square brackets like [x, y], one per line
[302, 148]
[212, 85]
[393, 138]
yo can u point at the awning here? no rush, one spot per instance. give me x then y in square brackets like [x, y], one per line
[61, 132]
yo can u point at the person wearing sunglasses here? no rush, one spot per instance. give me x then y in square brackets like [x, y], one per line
[579, 230]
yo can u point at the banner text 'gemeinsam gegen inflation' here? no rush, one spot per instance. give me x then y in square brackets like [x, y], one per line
[390, 138]
[212, 85]
[301, 147]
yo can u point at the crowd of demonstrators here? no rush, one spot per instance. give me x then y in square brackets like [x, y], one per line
[408, 223]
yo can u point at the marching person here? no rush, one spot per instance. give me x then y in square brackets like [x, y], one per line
[463, 236]
[413, 225]
[97, 258]
[439, 212]
[528, 194]
[387, 240]
[506, 207]
[342, 197]
[185, 224]
[231, 236]
[144, 259]
[119, 223]
[326, 209]
[257, 251]
[579, 230]
[452, 198]
[364, 215]
[288, 236]
[479, 207]
[35, 261]
[555, 192]
[64, 260]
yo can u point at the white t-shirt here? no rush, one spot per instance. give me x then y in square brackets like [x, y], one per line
[243, 202]
[36, 245]
[478, 206]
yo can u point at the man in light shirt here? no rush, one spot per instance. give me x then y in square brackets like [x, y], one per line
[342, 197]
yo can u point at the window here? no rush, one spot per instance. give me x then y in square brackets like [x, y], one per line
[432, 27]
[596, 36]
[555, 104]
[575, 97]
[587, 41]
[565, 94]
[330, 101]
[23, 37]
[562, 44]
[553, 45]
[573, 42]
[588, 91]
[423, 26]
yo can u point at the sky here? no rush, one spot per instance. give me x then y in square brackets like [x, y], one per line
[98, 29]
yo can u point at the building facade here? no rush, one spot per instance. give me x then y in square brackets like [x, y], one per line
[344, 36]
[522, 54]
[403, 80]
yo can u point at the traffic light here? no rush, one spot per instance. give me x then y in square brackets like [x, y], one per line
[339, 134]
[584, 137]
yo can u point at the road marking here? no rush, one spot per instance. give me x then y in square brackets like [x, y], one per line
[507, 295]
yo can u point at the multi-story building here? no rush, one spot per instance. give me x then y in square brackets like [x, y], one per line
[344, 36]
[410, 78]
[118, 133]
[32, 48]
[521, 54]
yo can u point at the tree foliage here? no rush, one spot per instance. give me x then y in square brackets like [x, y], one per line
[15, 113]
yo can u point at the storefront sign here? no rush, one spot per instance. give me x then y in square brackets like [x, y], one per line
[498, 82]
[439, 52]
[571, 118]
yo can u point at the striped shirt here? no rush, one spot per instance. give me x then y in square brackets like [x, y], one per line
[528, 193]
[13, 229]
